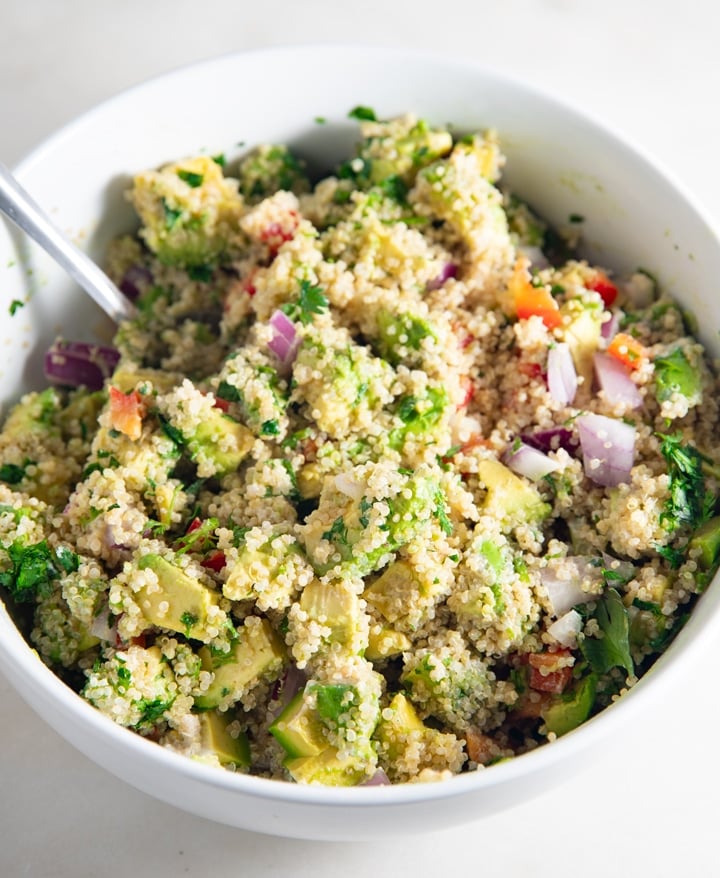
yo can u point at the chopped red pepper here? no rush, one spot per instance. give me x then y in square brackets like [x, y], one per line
[214, 561]
[126, 412]
[605, 287]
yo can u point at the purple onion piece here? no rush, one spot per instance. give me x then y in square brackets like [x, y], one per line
[552, 439]
[610, 328]
[285, 341]
[529, 462]
[379, 779]
[133, 280]
[608, 448]
[286, 688]
[561, 374]
[614, 380]
[448, 271]
[79, 364]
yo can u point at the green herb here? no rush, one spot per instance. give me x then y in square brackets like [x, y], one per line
[320, 120]
[171, 432]
[333, 701]
[67, 559]
[202, 273]
[673, 556]
[15, 306]
[32, 570]
[576, 218]
[172, 215]
[152, 711]
[12, 474]
[338, 533]
[191, 178]
[229, 392]
[311, 301]
[287, 466]
[612, 650]
[395, 187]
[362, 114]
[219, 159]
[189, 621]
[146, 302]
[270, 428]
[201, 539]
[440, 511]
[365, 506]
[689, 502]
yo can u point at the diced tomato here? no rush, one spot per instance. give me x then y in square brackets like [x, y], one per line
[628, 350]
[475, 442]
[547, 673]
[139, 640]
[194, 525]
[214, 561]
[532, 370]
[221, 404]
[605, 287]
[275, 234]
[469, 393]
[126, 412]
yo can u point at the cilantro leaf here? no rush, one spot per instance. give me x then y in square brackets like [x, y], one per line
[12, 474]
[362, 114]
[338, 532]
[312, 301]
[191, 178]
[33, 569]
[675, 374]
[612, 650]
[689, 502]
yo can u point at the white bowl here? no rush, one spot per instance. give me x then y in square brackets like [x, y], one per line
[558, 159]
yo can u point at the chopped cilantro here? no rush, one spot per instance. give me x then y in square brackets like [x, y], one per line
[365, 507]
[311, 301]
[219, 159]
[689, 502]
[15, 306]
[172, 215]
[675, 374]
[612, 650]
[362, 114]
[320, 120]
[338, 533]
[188, 621]
[201, 273]
[673, 556]
[270, 428]
[152, 711]
[12, 474]
[441, 514]
[191, 178]
[171, 432]
[576, 218]
[229, 392]
[33, 569]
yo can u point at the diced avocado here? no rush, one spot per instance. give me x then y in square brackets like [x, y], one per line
[399, 335]
[217, 739]
[582, 336]
[336, 605]
[181, 604]
[403, 722]
[508, 497]
[222, 441]
[675, 374]
[384, 643]
[400, 146]
[418, 414]
[396, 589]
[257, 654]
[299, 729]
[310, 480]
[326, 768]
[189, 212]
[35, 413]
[706, 541]
[572, 709]
[495, 567]
[268, 169]
[484, 150]
[258, 570]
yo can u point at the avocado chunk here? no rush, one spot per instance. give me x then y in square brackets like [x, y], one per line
[257, 655]
[419, 415]
[398, 147]
[268, 169]
[509, 498]
[335, 605]
[181, 604]
[706, 541]
[398, 588]
[221, 441]
[400, 336]
[217, 739]
[675, 374]
[326, 768]
[385, 642]
[299, 730]
[582, 335]
[572, 709]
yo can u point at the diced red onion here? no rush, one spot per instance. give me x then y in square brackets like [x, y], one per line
[286, 688]
[566, 629]
[563, 580]
[552, 439]
[379, 779]
[285, 341]
[133, 280]
[449, 270]
[561, 374]
[608, 448]
[529, 462]
[614, 380]
[76, 364]
[101, 628]
[610, 327]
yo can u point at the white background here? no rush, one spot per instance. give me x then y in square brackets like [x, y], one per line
[650, 805]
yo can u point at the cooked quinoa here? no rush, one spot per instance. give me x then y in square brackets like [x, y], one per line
[387, 484]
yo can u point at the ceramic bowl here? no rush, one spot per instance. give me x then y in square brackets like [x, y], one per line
[558, 159]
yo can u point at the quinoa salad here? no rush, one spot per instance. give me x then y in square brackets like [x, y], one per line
[384, 483]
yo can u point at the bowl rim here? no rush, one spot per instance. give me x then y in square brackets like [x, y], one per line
[20, 659]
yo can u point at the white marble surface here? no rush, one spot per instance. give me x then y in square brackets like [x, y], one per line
[647, 807]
